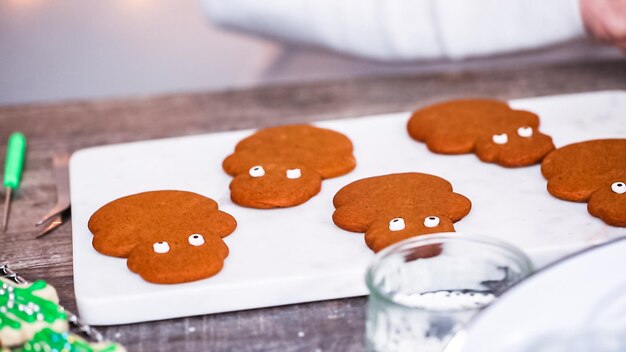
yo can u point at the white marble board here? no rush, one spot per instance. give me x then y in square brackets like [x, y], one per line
[297, 254]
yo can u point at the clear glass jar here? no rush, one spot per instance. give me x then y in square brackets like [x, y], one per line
[424, 289]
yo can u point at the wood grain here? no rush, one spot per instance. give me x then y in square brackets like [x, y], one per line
[323, 326]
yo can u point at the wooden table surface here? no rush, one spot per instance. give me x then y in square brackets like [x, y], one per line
[336, 325]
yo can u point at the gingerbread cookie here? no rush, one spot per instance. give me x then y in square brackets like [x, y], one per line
[489, 128]
[27, 308]
[168, 236]
[394, 207]
[284, 166]
[593, 172]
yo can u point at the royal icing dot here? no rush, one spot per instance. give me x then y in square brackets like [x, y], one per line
[525, 132]
[257, 171]
[196, 239]
[161, 247]
[431, 221]
[619, 187]
[294, 174]
[500, 138]
[396, 224]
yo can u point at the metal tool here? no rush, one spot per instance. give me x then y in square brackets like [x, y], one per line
[88, 331]
[60, 211]
[12, 171]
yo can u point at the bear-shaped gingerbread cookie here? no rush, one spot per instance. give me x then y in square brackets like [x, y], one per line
[284, 166]
[394, 207]
[593, 172]
[168, 236]
[489, 128]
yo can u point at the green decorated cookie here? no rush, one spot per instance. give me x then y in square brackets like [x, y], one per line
[50, 340]
[26, 309]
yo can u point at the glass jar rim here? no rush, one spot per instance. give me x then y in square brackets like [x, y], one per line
[439, 238]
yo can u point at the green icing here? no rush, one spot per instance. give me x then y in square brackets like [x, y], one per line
[51, 341]
[20, 304]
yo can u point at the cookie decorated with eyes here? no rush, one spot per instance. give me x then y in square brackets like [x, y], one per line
[284, 166]
[593, 172]
[489, 128]
[168, 236]
[395, 207]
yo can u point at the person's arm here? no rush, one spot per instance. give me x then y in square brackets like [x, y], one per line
[407, 29]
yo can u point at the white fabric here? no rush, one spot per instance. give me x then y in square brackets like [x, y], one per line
[407, 29]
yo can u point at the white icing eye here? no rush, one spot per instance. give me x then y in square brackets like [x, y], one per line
[431, 221]
[525, 132]
[196, 239]
[294, 173]
[396, 224]
[257, 171]
[500, 138]
[619, 187]
[161, 247]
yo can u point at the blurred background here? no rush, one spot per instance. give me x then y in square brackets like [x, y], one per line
[78, 49]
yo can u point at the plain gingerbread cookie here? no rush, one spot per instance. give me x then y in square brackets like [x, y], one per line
[593, 172]
[394, 207]
[284, 166]
[489, 128]
[168, 236]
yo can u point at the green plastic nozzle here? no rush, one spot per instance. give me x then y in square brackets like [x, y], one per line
[15, 160]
